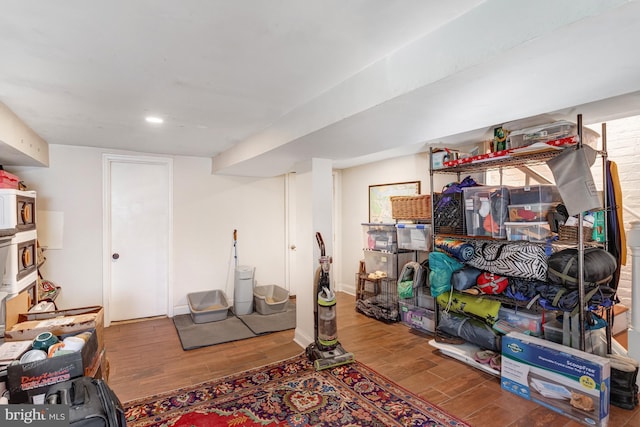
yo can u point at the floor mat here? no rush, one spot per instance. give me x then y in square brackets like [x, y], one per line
[195, 335]
[264, 324]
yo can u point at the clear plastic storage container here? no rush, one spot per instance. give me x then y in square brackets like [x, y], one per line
[380, 237]
[389, 263]
[551, 132]
[528, 231]
[414, 237]
[418, 318]
[534, 212]
[485, 210]
[534, 194]
[522, 318]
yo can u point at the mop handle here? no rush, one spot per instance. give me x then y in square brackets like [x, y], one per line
[235, 250]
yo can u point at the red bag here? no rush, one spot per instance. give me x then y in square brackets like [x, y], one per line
[490, 283]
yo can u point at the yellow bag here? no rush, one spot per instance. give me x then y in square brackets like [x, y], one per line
[477, 306]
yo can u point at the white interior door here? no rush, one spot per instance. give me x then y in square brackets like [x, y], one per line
[137, 237]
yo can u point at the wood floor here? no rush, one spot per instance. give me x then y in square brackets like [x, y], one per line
[146, 358]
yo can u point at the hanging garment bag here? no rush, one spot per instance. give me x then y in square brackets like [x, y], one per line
[572, 173]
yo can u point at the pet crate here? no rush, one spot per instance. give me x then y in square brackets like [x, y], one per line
[378, 298]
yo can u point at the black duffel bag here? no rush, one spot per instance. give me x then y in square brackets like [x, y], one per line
[91, 402]
[599, 266]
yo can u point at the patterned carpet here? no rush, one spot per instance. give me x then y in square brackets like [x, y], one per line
[290, 393]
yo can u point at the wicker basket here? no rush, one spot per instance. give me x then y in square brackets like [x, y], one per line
[570, 233]
[411, 207]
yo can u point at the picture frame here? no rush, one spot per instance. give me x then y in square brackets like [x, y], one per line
[380, 202]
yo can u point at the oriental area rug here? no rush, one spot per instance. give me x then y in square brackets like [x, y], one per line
[290, 393]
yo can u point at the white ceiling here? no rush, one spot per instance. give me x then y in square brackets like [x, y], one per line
[260, 86]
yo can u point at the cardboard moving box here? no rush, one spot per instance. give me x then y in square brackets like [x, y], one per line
[27, 380]
[561, 378]
[58, 322]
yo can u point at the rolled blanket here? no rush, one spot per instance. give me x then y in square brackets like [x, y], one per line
[462, 251]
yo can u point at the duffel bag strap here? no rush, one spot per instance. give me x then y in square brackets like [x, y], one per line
[498, 252]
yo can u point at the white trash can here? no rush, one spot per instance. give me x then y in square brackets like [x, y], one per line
[243, 290]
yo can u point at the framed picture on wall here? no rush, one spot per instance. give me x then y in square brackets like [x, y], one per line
[379, 199]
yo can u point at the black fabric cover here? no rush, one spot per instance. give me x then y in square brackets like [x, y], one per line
[599, 267]
[91, 402]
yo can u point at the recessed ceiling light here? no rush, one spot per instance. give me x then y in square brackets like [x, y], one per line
[153, 119]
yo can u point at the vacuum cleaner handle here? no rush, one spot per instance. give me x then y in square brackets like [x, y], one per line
[320, 243]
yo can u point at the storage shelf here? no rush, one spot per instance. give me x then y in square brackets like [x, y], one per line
[514, 158]
[509, 161]
[556, 245]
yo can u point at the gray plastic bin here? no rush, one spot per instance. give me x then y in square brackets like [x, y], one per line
[270, 299]
[208, 306]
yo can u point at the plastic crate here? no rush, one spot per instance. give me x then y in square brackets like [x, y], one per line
[448, 214]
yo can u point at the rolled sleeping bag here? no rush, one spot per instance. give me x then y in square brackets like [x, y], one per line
[599, 267]
[461, 250]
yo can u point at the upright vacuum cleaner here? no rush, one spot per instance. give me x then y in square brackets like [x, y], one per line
[325, 352]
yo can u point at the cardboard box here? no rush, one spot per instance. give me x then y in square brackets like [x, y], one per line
[26, 380]
[58, 322]
[563, 379]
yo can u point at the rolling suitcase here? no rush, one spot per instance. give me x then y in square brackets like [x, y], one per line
[91, 402]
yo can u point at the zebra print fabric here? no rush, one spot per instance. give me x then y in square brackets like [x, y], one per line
[524, 259]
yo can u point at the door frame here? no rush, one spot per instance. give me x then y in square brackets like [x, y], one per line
[107, 160]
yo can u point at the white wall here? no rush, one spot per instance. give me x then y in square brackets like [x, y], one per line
[207, 208]
[354, 204]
